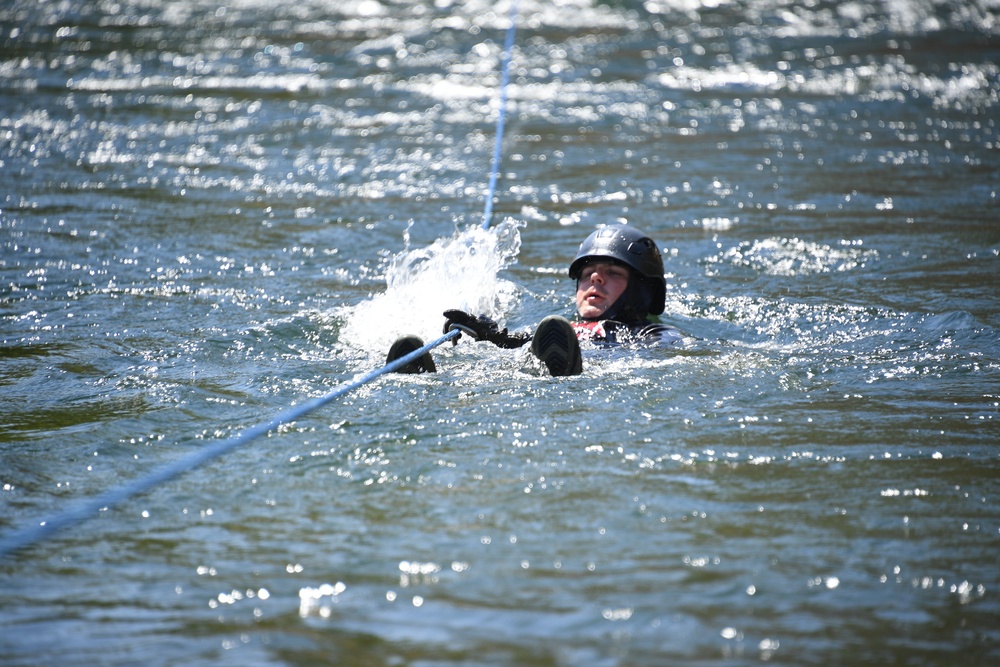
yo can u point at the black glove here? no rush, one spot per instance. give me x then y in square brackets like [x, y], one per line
[477, 327]
[482, 328]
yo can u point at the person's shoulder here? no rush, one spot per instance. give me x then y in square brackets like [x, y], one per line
[656, 333]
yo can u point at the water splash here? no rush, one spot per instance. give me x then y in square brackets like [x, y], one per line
[460, 272]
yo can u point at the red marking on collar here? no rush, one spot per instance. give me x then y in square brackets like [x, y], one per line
[589, 330]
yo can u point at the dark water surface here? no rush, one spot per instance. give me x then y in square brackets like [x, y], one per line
[212, 211]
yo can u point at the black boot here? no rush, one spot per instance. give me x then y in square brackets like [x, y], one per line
[402, 347]
[556, 345]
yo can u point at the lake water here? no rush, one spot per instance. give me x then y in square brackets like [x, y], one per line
[210, 212]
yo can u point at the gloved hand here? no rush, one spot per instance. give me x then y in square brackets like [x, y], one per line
[480, 327]
[476, 326]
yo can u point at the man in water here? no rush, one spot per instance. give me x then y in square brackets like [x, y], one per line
[619, 283]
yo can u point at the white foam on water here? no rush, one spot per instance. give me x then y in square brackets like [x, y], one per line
[458, 272]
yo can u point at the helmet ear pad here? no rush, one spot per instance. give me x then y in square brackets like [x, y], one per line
[657, 294]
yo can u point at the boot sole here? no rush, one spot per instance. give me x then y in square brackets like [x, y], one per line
[555, 343]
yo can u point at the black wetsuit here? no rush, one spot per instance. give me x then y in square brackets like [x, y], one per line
[612, 332]
[605, 332]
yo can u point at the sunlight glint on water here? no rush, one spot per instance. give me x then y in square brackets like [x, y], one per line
[209, 213]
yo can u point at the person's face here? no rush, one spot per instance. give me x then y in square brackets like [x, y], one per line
[599, 286]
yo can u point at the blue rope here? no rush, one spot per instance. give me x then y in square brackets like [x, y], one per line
[88, 508]
[24, 537]
[508, 47]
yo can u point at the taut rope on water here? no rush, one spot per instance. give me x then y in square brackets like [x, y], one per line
[24, 537]
[508, 47]
[85, 509]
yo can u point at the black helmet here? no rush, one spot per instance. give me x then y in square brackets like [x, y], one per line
[625, 245]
